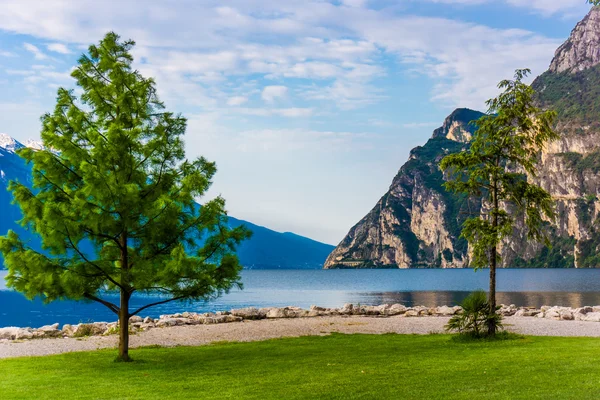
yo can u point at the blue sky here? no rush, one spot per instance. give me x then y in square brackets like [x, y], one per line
[308, 107]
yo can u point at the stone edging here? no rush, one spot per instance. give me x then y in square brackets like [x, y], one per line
[138, 323]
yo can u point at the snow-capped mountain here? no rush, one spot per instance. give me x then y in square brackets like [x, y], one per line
[8, 144]
[266, 248]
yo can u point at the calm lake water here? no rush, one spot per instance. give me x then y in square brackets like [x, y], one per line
[333, 288]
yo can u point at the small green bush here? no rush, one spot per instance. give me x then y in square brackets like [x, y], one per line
[84, 330]
[474, 319]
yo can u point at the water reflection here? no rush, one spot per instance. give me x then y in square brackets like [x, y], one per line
[333, 288]
[521, 299]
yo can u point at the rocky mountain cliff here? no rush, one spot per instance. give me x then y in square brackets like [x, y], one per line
[417, 224]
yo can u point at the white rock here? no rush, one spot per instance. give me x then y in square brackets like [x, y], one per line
[584, 310]
[359, 310]
[68, 329]
[24, 333]
[527, 312]
[249, 313]
[566, 315]
[346, 309]
[593, 317]
[371, 310]
[276, 312]
[167, 322]
[14, 333]
[48, 331]
[396, 309]
[552, 314]
[383, 309]
[445, 310]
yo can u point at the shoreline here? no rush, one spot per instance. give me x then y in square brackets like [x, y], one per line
[266, 329]
[252, 324]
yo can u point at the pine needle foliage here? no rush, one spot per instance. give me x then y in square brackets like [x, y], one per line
[114, 198]
[499, 166]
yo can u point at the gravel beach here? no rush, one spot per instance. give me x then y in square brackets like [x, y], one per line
[276, 328]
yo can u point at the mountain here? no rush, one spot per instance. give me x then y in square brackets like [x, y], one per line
[266, 249]
[416, 224]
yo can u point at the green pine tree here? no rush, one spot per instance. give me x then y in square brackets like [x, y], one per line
[113, 199]
[498, 165]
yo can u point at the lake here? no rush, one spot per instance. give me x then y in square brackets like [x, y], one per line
[333, 288]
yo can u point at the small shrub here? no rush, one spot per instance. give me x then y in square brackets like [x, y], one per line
[113, 330]
[84, 330]
[474, 319]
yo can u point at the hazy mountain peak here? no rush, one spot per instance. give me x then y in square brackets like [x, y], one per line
[582, 49]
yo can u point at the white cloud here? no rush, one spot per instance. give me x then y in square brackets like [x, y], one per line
[216, 57]
[37, 53]
[313, 69]
[237, 100]
[415, 125]
[58, 48]
[21, 72]
[279, 140]
[355, 3]
[466, 60]
[346, 95]
[293, 112]
[271, 93]
[567, 8]
[4, 53]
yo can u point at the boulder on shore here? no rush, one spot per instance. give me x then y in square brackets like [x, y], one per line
[137, 323]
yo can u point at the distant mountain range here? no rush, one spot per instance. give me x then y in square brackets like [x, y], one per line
[266, 249]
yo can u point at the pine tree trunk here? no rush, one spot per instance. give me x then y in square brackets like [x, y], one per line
[493, 261]
[492, 294]
[124, 309]
[124, 328]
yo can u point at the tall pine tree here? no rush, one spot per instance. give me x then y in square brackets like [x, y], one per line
[499, 164]
[113, 199]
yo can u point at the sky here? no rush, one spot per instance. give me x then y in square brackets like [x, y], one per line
[308, 107]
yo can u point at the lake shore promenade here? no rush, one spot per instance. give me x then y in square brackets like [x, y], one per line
[173, 330]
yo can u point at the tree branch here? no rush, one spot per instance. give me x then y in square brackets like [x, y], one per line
[108, 304]
[157, 303]
[103, 272]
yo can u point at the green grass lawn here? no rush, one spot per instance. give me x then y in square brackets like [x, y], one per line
[331, 367]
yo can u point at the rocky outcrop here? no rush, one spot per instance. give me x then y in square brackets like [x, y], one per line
[417, 223]
[582, 49]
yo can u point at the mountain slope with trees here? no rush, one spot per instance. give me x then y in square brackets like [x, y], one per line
[416, 224]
